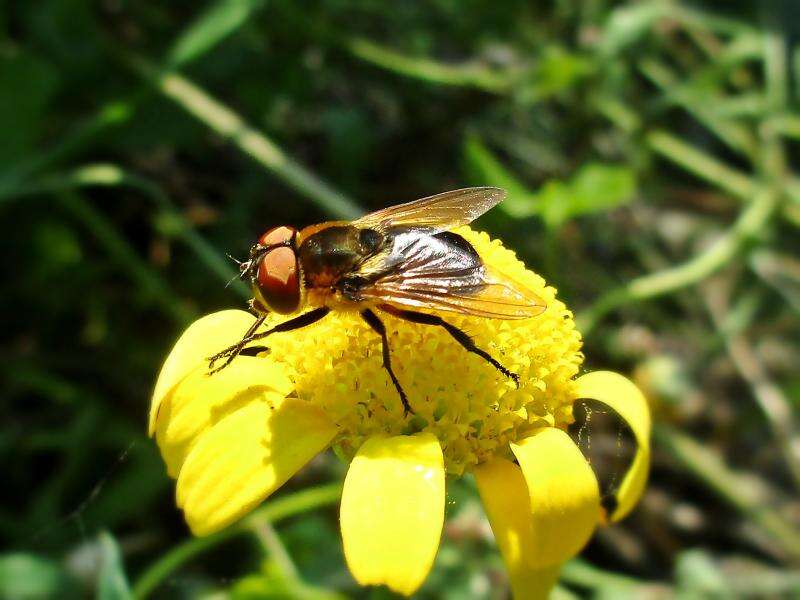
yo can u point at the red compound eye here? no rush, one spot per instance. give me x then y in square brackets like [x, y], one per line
[278, 279]
[277, 235]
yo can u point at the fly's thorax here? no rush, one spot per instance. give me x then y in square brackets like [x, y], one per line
[331, 253]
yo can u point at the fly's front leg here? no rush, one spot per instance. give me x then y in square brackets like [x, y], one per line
[255, 307]
[233, 351]
[458, 335]
[377, 325]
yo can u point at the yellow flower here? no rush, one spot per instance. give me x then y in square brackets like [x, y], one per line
[232, 439]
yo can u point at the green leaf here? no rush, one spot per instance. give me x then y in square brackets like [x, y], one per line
[697, 576]
[112, 583]
[272, 584]
[557, 70]
[485, 169]
[596, 187]
[628, 24]
[31, 577]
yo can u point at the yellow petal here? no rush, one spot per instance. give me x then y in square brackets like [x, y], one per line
[206, 336]
[507, 502]
[199, 401]
[245, 457]
[393, 510]
[564, 496]
[628, 402]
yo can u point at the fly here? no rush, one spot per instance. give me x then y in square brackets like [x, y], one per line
[403, 260]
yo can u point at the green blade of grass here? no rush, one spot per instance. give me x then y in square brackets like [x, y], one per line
[148, 282]
[108, 175]
[701, 164]
[221, 19]
[749, 224]
[425, 69]
[226, 123]
[735, 489]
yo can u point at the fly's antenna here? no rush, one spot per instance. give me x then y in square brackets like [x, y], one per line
[243, 267]
[231, 280]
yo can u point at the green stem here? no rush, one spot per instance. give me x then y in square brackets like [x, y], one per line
[271, 541]
[774, 405]
[736, 136]
[581, 573]
[701, 165]
[736, 489]
[255, 144]
[427, 70]
[776, 66]
[709, 20]
[111, 115]
[773, 161]
[747, 226]
[274, 511]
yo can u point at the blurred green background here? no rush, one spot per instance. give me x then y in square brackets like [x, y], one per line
[648, 149]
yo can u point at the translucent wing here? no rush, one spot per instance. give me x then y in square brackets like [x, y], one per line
[436, 213]
[443, 273]
[492, 301]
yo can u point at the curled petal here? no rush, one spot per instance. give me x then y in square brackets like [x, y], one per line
[505, 497]
[629, 403]
[199, 401]
[563, 491]
[393, 510]
[206, 336]
[543, 511]
[246, 456]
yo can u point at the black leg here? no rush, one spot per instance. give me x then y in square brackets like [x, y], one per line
[377, 325]
[460, 336]
[298, 322]
[234, 350]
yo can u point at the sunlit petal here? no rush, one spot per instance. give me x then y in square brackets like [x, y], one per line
[199, 401]
[625, 398]
[245, 457]
[564, 495]
[505, 497]
[393, 510]
[206, 336]
[543, 511]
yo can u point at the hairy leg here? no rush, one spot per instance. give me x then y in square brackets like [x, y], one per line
[233, 351]
[377, 325]
[458, 335]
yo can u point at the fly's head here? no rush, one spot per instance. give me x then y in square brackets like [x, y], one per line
[273, 270]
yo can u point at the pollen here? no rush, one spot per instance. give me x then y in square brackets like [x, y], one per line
[460, 398]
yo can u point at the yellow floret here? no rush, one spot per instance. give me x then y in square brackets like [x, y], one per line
[458, 397]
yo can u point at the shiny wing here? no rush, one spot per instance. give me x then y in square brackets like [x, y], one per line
[423, 271]
[441, 212]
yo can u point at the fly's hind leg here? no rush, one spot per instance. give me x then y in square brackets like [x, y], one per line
[458, 335]
[233, 351]
[377, 325]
